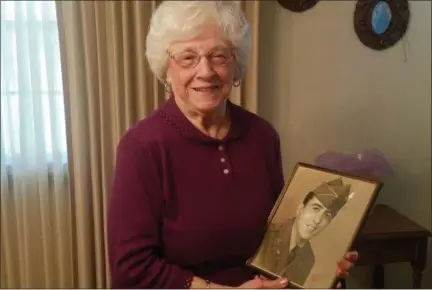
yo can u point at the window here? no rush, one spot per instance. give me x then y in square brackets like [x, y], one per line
[32, 103]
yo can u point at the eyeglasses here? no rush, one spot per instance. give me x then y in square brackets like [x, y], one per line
[190, 59]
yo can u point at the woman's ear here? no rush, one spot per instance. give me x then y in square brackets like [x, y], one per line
[168, 79]
[167, 85]
[237, 74]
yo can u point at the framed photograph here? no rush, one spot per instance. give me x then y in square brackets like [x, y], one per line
[314, 222]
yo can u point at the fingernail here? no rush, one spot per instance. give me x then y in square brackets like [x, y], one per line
[284, 281]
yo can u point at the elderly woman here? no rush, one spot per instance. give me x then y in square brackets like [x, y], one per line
[196, 180]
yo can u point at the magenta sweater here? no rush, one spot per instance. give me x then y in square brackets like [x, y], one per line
[184, 204]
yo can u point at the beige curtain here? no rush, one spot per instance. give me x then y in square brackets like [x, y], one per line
[36, 229]
[108, 87]
[246, 95]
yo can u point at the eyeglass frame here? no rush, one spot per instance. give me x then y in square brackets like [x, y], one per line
[200, 56]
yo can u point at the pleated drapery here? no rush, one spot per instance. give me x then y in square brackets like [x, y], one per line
[36, 228]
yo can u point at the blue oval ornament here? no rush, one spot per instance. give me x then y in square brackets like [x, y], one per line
[381, 17]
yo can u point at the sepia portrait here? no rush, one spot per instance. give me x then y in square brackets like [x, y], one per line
[312, 225]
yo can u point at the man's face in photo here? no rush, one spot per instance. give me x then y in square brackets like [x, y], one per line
[312, 218]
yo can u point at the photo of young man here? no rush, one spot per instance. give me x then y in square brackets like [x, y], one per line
[286, 248]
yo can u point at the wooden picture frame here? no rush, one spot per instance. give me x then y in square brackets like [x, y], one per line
[314, 222]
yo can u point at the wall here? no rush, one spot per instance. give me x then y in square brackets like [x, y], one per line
[323, 90]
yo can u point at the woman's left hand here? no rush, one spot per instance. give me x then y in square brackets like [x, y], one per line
[345, 265]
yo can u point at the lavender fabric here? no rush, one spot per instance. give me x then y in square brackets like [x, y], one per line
[370, 162]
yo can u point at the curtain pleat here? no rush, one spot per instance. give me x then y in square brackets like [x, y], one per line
[246, 95]
[110, 87]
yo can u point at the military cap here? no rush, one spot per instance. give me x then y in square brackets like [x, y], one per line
[333, 194]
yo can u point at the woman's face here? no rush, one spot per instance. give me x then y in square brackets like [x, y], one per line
[202, 83]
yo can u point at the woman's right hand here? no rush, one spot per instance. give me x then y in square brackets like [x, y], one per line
[264, 283]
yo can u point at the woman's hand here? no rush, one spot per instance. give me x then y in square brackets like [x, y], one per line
[261, 282]
[345, 265]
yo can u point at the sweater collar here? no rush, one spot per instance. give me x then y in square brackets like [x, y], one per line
[175, 117]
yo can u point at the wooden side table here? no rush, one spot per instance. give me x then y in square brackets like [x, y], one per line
[389, 237]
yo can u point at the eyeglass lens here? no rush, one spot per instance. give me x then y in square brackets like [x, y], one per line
[189, 59]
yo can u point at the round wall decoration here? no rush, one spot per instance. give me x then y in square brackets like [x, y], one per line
[379, 24]
[297, 5]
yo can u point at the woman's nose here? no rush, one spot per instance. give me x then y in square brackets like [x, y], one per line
[204, 68]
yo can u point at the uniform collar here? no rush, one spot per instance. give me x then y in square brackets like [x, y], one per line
[172, 114]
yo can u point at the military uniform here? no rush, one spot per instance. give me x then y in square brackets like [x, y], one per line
[277, 258]
[296, 264]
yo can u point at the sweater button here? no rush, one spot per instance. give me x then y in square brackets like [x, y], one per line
[226, 171]
[221, 148]
[222, 160]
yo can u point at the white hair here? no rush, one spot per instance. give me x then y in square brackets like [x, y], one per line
[177, 20]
